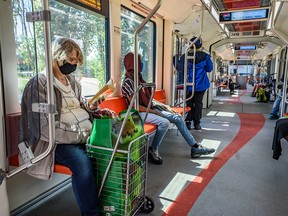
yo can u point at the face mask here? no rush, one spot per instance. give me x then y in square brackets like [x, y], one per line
[67, 68]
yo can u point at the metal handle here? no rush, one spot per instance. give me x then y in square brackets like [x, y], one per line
[50, 95]
[153, 11]
[122, 128]
[194, 66]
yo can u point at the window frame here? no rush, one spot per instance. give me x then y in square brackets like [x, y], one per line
[154, 33]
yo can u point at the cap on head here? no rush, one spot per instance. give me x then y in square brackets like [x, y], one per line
[198, 43]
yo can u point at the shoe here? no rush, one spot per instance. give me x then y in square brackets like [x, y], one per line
[197, 128]
[273, 117]
[154, 156]
[188, 125]
[200, 150]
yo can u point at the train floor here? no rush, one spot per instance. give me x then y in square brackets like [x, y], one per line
[240, 179]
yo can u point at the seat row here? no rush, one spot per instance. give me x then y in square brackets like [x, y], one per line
[116, 104]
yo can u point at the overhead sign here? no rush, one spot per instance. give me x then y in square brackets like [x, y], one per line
[245, 47]
[256, 33]
[249, 15]
[95, 4]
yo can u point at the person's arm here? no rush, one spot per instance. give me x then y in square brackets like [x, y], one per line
[143, 108]
[209, 64]
[180, 64]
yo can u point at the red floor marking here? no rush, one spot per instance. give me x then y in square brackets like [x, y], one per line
[250, 125]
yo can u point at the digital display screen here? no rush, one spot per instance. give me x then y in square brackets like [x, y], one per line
[95, 4]
[246, 47]
[246, 15]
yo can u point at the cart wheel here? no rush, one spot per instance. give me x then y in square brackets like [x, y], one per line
[148, 205]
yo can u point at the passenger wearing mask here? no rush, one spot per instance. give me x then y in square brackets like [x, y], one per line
[159, 117]
[72, 125]
[203, 64]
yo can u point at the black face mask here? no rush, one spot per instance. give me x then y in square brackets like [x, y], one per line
[67, 68]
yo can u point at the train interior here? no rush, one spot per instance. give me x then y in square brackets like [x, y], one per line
[241, 177]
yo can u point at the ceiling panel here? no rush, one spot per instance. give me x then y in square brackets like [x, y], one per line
[230, 5]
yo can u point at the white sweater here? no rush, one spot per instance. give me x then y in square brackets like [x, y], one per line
[71, 112]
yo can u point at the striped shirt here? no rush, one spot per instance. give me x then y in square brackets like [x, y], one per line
[128, 88]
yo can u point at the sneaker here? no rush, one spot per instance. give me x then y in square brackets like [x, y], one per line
[200, 150]
[154, 156]
[273, 117]
[188, 125]
[198, 128]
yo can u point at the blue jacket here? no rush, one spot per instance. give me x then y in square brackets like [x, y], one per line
[203, 65]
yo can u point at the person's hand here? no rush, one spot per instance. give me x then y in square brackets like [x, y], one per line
[95, 105]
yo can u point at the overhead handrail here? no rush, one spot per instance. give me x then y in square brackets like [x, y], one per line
[273, 29]
[279, 35]
[45, 16]
[194, 66]
[153, 11]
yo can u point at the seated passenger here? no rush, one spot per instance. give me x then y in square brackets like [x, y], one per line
[157, 116]
[72, 125]
[231, 86]
[276, 109]
[256, 88]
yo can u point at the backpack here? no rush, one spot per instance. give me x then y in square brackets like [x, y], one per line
[261, 95]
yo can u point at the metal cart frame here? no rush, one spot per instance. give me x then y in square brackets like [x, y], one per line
[134, 164]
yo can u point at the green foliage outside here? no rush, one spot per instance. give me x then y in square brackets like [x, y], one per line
[87, 29]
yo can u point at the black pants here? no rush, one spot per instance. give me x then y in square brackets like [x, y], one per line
[195, 114]
[231, 87]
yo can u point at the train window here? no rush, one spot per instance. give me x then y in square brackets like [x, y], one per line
[87, 29]
[146, 41]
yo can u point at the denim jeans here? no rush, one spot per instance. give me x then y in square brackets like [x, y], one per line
[276, 106]
[83, 181]
[162, 127]
[180, 124]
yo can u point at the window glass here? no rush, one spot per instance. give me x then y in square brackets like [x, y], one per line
[87, 29]
[129, 22]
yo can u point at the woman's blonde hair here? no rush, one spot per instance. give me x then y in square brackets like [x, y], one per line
[63, 47]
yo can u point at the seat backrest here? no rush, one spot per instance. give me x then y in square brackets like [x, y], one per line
[117, 104]
[160, 96]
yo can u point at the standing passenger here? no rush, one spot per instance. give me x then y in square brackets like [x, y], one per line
[156, 116]
[72, 125]
[203, 64]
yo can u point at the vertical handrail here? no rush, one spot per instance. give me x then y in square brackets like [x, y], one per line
[284, 88]
[153, 11]
[50, 95]
[50, 89]
[194, 66]
[179, 38]
[273, 29]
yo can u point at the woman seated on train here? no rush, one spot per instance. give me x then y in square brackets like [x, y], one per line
[72, 125]
[256, 87]
[159, 117]
[233, 86]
